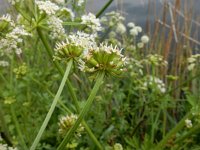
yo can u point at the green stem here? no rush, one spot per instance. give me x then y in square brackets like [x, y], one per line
[23, 144]
[70, 87]
[178, 127]
[53, 105]
[104, 8]
[83, 112]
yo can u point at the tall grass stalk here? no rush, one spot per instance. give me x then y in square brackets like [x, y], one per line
[84, 111]
[49, 114]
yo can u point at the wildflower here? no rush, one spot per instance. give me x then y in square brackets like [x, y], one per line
[6, 23]
[140, 45]
[59, 1]
[138, 28]
[75, 45]
[47, 7]
[156, 84]
[91, 21]
[104, 58]
[4, 63]
[131, 25]
[145, 39]
[133, 32]
[192, 61]
[57, 30]
[188, 123]
[6, 147]
[80, 2]
[121, 29]
[156, 60]
[117, 146]
[66, 122]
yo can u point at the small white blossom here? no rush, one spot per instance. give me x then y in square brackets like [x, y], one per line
[140, 45]
[91, 21]
[68, 10]
[131, 25]
[80, 2]
[57, 30]
[133, 32]
[145, 39]
[47, 6]
[121, 29]
[188, 123]
[138, 28]
[4, 63]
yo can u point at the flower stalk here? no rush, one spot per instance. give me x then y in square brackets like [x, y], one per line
[49, 114]
[84, 111]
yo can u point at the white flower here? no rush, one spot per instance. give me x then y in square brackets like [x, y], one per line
[91, 21]
[138, 28]
[121, 29]
[133, 32]
[140, 45]
[57, 30]
[48, 7]
[191, 67]
[145, 39]
[188, 123]
[80, 2]
[131, 25]
[7, 18]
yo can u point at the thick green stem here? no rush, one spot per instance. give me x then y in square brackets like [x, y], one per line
[70, 87]
[53, 105]
[104, 8]
[177, 128]
[83, 112]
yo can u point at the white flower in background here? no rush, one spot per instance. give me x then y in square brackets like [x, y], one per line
[138, 28]
[4, 63]
[12, 40]
[188, 123]
[131, 25]
[68, 10]
[48, 7]
[140, 45]
[6, 147]
[193, 61]
[133, 32]
[91, 21]
[121, 29]
[145, 39]
[57, 30]
[7, 18]
[154, 82]
[80, 2]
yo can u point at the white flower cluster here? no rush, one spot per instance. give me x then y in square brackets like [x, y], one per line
[47, 6]
[5, 146]
[188, 123]
[156, 60]
[154, 82]
[59, 1]
[134, 30]
[80, 2]
[91, 21]
[192, 61]
[7, 18]
[57, 30]
[144, 40]
[12, 40]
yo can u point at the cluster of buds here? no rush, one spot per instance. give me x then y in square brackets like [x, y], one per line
[20, 71]
[66, 122]
[155, 60]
